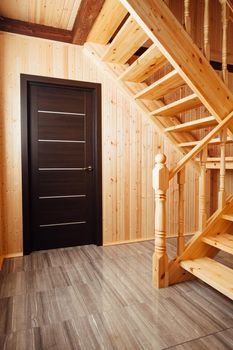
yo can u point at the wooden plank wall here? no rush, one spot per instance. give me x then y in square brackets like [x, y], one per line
[130, 141]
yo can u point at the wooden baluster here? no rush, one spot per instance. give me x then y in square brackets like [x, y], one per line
[160, 185]
[224, 39]
[222, 193]
[187, 17]
[202, 190]
[206, 30]
[181, 182]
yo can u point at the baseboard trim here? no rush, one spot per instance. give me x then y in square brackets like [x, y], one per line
[128, 241]
[8, 256]
[1, 261]
[142, 240]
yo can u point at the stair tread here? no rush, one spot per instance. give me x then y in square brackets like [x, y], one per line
[123, 47]
[228, 217]
[215, 141]
[193, 125]
[162, 86]
[179, 106]
[222, 241]
[211, 272]
[146, 65]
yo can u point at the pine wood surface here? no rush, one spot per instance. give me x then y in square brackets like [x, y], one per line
[212, 272]
[57, 13]
[130, 142]
[222, 241]
[85, 298]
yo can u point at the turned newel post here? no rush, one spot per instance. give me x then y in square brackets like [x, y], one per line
[160, 185]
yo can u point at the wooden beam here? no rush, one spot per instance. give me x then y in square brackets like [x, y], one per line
[107, 22]
[86, 16]
[168, 34]
[36, 30]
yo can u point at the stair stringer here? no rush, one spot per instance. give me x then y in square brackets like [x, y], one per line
[161, 26]
[95, 52]
[198, 249]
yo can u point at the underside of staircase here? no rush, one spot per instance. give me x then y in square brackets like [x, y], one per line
[153, 58]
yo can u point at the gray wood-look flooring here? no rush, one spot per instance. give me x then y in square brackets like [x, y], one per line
[101, 298]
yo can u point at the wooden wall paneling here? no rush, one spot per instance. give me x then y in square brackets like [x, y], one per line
[120, 170]
[130, 142]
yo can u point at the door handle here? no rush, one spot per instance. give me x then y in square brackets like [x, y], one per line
[88, 168]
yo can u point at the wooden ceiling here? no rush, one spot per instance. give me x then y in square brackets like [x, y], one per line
[54, 13]
[62, 20]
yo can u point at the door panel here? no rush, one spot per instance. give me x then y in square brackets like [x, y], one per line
[61, 154]
[62, 210]
[68, 127]
[61, 183]
[62, 141]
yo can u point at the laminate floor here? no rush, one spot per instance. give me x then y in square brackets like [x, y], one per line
[101, 298]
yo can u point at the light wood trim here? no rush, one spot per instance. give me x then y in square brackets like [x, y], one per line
[161, 87]
[202, 218]
[181, 212]
[129, 241]
[109, 19]
[206, 30]
[216, 166]
[213, 273]
[215, 141]
[200, 145]
[183, 54]
[217, 159]
[146, 65]
[160, 185]
[222, 185]
[193, 125]
[127, 41]
[179, 106]
[1, 261]
[222, 241]
[228, 217]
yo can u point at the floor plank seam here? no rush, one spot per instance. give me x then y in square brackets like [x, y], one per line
[194, 339]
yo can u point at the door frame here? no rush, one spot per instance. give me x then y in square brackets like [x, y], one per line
[25, 82]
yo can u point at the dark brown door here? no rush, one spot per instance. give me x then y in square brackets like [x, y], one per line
[62, 166]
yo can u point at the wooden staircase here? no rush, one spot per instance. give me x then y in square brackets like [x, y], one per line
[187, 73]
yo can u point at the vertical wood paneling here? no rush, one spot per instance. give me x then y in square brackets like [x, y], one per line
[130, 142]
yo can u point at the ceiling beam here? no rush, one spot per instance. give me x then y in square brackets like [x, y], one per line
[36, 30]
[86, 16]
